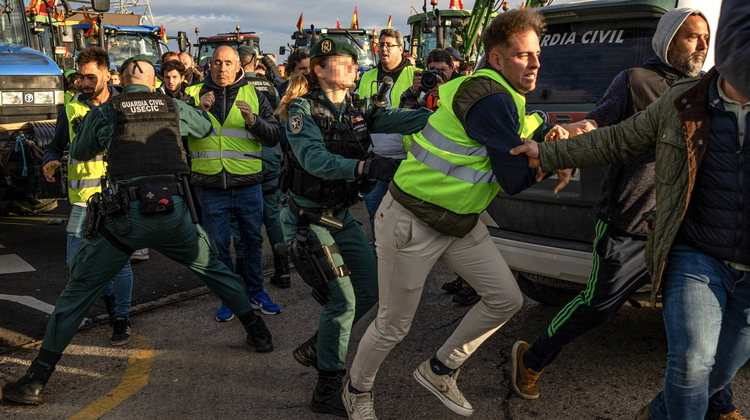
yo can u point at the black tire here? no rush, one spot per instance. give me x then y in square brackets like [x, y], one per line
[544, 294]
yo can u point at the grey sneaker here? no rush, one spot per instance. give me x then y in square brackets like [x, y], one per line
[140, 255]
[444, 387]
[358, 406]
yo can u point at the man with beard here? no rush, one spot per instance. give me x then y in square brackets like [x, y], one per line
[172, 76]
[681, 44]
[84, 179]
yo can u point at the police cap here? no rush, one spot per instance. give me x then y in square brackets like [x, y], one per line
[131, 60]
[329, 46]
[246, 50]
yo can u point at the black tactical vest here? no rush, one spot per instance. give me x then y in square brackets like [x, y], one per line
[352, 141]
[146, 139]
[262, 85]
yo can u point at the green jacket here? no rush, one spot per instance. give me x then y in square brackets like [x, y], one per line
[309, 147]
[676, 127]
[95, 132]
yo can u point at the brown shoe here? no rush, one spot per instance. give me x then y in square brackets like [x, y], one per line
[734, 415]
[643, 413]
[524, 380]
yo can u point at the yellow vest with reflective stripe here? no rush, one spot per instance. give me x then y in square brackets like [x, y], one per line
[369, 87]
[84, 177]
[229, 146]
[448, 168]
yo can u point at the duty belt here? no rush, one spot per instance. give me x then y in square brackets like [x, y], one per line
[133, 188]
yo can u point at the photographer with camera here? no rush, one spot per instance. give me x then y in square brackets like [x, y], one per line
[423, 92]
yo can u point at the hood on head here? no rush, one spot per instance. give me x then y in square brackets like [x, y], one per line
[668, 26]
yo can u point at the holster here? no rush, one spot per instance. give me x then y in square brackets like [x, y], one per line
[94, 218]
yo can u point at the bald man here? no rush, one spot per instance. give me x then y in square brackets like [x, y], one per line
[227, 167]
[142, 132]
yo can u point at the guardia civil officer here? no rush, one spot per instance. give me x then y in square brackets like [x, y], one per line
[141, 131]
[329, 136]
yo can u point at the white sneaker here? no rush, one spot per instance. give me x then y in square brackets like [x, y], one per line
[140, 255]
[444, 387]
[358, 406]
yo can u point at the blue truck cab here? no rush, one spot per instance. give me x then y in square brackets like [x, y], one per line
[31, 84]
[123, 42]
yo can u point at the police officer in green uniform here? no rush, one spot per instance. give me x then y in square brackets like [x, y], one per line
[141, 131]
[329, 136]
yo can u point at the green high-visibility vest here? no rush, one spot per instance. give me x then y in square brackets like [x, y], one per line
[369, 87]
[448, 168]
[229, 146]
[84, 176]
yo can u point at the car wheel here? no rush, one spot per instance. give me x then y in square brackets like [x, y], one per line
[544, 294]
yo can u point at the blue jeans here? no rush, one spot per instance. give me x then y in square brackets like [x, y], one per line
[372, 202]
[707, 317]
[121, 284]
[246, 203]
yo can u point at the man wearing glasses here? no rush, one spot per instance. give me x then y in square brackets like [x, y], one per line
[393, 64]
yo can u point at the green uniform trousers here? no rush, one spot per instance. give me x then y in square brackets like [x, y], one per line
[97, 260]
[351, 296]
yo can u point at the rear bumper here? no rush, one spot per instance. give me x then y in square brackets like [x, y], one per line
[555, 258]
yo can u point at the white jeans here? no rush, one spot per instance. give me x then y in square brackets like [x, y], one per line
[407, 250]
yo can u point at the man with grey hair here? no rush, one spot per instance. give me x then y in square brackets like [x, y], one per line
[681, 44]
[193, 76]
[227, 167]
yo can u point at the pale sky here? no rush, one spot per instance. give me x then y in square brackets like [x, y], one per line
[275, 20]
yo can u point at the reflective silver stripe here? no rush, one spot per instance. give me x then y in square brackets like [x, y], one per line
[447, 168]
[72, 161]
[211, 154]
[444, 143]
[227, 154]
[84, 183]
[231, 132]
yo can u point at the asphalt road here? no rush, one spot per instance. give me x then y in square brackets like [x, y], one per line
[182, 364]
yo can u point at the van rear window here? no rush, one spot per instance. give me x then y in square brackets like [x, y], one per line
[580, 59]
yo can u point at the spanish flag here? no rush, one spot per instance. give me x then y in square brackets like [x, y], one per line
[299, 23]
[163, 34]
[338, 24]
[92, 32]
[355, 20]
[390, 19]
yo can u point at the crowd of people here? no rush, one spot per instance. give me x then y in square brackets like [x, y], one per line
[427, 158]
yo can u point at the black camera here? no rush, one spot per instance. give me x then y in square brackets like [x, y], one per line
[431, 77]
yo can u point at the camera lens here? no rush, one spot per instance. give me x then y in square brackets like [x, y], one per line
[429, 80]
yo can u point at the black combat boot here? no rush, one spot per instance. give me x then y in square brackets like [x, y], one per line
[109, 305]
[327, 395]
[28, 389]
[307, 353]
[258, 335]
[281, 276]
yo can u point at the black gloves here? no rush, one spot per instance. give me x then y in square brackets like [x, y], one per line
[380, 168]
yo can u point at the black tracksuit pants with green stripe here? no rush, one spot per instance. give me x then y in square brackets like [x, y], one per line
[618, 270]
